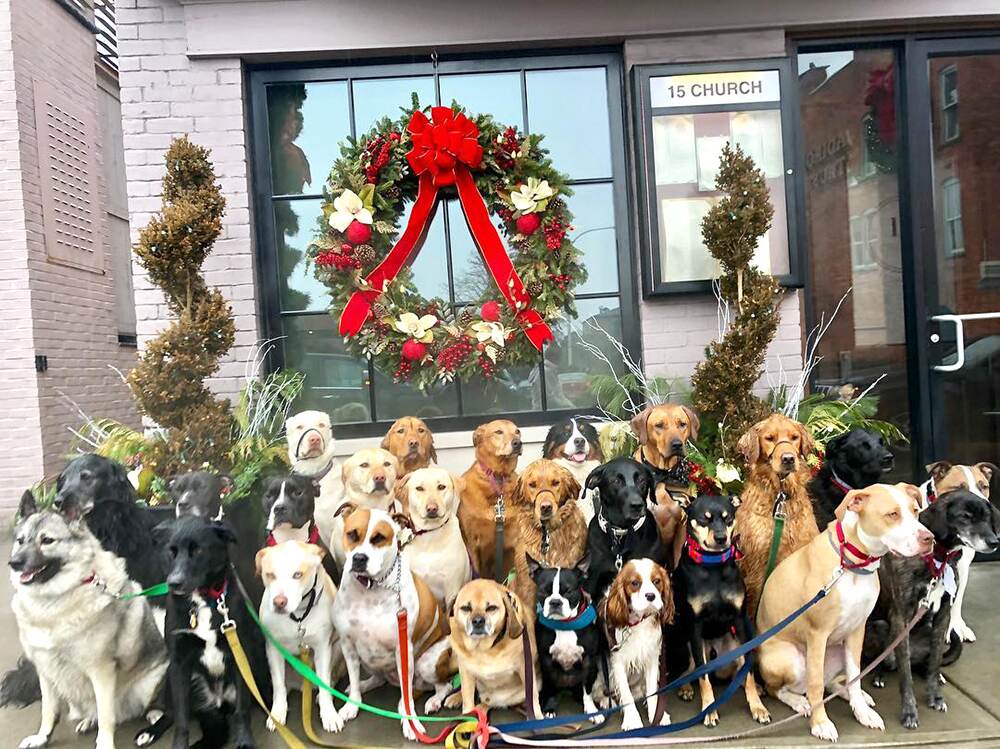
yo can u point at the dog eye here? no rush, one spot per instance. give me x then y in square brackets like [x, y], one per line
[421, 430]
[19, 540]
[635, 584]
[533, 484]
[659, 425]
[365, 464]
[681, 424]
[491, 608]
[386, 464]
[46, 540]
[795, 438]
[86, 476]
[352, 536]
[173, 551]
[378, 538]
[769, 438]
[467, 608]
[498, 431]
[441, 487]
[894, 515]
[419, 488]
[297, 575]
[400, 431]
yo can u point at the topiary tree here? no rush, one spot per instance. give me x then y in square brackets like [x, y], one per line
[168, 383]
[723, 382]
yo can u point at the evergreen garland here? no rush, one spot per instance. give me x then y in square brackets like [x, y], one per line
[168, 383]
[723, 382]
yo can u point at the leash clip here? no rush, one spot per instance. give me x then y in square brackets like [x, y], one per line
[839, 573]
[499, 510]
[227, 621]
[779, 506]
[926, 601]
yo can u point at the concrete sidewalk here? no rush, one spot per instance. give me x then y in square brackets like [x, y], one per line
[972, 718]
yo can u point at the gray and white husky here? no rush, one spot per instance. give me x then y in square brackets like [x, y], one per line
[100, 655]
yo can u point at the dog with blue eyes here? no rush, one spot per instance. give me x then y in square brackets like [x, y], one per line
[710, 596]
[566, 634]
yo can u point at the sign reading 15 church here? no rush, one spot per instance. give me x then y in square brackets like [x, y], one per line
[714, 89]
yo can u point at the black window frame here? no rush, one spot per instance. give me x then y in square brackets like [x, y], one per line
[265, 251]
[653, 284]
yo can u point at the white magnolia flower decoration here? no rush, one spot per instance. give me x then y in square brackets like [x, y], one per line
[418, 328]
[726, 472]
[527, 197]
[349, 207]
[490, 331]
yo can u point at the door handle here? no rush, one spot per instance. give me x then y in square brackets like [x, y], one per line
[959, 322]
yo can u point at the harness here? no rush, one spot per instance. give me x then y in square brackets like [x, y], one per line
[701, 557]
[585, 615]
[865, 563]
[314, 537]
[621, 540]
[937, 561]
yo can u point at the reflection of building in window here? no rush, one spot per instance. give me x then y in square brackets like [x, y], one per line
[868, 167]
[951, 218]
[949, 103]
[865, 240]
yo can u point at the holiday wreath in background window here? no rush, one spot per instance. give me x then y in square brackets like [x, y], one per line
[497, 173]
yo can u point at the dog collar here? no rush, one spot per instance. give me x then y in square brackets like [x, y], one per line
[431, 530]
[92, 577]
[312, 597]
[584, 617]
[374, 582]
[679, 475]
[496, 479]
[314, 537]
[214, 592]
[840, 483]
[929, 491]
[845, 547]
[699, 556]
[938, 560]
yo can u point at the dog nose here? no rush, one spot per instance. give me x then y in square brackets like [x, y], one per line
[58, 501]
[651, 597]
[579, 442]
[432, 511]
[636, 506]
[546, 510]
[280, 603]
[556, 604]
[16, 563]
[314, 439]
[925, 537]
[414, 443]
[479, 621]
[676, 444]
[720, 538]
[379, 478]
[788, 459]
[175, 581]
[515, 444]
[359, 562]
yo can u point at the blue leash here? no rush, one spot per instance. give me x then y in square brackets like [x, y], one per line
[708, 668]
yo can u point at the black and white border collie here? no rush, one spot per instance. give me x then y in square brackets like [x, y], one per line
[573, 443]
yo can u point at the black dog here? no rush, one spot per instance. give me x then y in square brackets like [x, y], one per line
[199, 493]
[202, 677]
[623, 528]
[566, 634]
[289, 503]
[957, 518]
[854, 460]
[710, 596]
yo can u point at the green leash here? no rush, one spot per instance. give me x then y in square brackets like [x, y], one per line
[160, 589]
[779, 527]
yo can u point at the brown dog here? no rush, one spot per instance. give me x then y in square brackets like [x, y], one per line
[547, 522]
[411, 441]
[775, 450]
[488, 484]
[663, 432]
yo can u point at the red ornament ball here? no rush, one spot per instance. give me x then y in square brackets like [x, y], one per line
[490, 311]
[358, 233]
[414, 350]
[528, 223]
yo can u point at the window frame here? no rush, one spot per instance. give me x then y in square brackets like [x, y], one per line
[947, 221]
[946, 107]
[653, 284]
[265, 253]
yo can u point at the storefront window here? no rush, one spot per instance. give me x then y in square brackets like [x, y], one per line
[949, 103]
[571, 105]
[951, 202]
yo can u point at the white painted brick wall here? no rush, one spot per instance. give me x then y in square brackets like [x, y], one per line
[164, 94]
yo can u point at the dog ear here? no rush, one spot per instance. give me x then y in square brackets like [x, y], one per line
[594, 477]
[666, 594]
[681, 498]
[121, 481]
[583, 566]
[749, 445]
[345, 509]
[639, 424]
[935, 518]
[224, 532]
[694, 421]
[938, 469]
[162, 532]
[517, 493]
[515, 618]
[432, 454]
[533, 565]
[855, 501]
[616, 609]
[914, 493]
[345, 471]
[258, 560]
[570, 486]
[395, 463]
[987, 469]
[807, 445]
[384, 444]
[550, 444]
[28, 505]
[478, 435]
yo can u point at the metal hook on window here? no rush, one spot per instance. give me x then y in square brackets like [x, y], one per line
[434, 59]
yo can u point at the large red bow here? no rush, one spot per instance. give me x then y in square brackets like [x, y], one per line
[445, 149]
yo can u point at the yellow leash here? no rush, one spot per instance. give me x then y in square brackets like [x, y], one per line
[307, 704]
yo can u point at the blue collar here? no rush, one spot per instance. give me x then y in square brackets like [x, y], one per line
[582, 620]
[700, 556]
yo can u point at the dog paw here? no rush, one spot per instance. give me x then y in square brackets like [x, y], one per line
[963, 630]
[410, 729]
[910, 718]
[631, 720]
[348, 712]
[153, 716]
[330, 719]
[879, 682]
[86, 725]
[279, 714]
[869, 700]
[760, 714]
[712, 719]
[799, 703]
[597, 719]
[453, 701]
[937, 702]
[432, 705]
[867, 717]
[32, 742]
[107, 741]
[686, 692]
[665, 720]
[942, 680]
[825, 730]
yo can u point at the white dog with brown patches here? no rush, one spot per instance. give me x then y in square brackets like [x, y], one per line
[311, 453]
[369, 480]
[377, 583]
[298, 610]
[825, 642]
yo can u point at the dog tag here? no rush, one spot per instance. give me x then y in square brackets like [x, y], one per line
[194, 618]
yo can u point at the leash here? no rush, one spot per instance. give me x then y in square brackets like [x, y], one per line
[778, 514]
[307, 705]
[404, 682]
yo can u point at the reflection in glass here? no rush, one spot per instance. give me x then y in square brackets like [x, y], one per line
[571, 108]
[569, 367]
[593, 210]
[430, 268]
[673, 149]
[684, 257]
[336, 382]
[393, 400]
[375, 98]
[307, 122]
[471, 278]
[295, 224]
[758, 133]
[513, 389]
[498, 94]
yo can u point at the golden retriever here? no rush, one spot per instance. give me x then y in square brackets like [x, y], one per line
[411, 441]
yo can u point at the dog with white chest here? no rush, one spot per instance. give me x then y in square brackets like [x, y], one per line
[369, 479]
[377, 583]
[311, 447]
[574, 444]
[298, 610]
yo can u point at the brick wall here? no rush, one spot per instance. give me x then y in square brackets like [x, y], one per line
[164, 94]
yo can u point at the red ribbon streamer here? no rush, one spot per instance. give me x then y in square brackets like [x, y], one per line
[445, 149]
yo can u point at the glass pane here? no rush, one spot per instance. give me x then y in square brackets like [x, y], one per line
[594, 218]
[513, 389]
[848, 213]
[498, 94]
[307, 122]
[375, 98]
[570, 108]
[569, 367]
[393, 400]
[295, 225]
[471, 278]
[430, 268]
[336, 382]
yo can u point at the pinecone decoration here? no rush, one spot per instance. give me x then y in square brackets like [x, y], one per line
[380, 310]
[364, 253]
[535, 288]
[466, 317]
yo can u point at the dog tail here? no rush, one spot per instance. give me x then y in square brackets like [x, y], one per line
[19, 687]
[954, 650]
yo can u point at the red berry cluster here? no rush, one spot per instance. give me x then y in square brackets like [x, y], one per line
[562, 280]
[402, 373]
[339, 260]
[451, 357]
[555, 231]
[506, 150]
[703, 482]
[506, 214]
[376, 155]
[487, 366]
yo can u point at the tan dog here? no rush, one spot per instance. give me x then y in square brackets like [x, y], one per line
[487, 623]
[663, 432]
[946, 477]
[547, 522]
[775, 450]
[493, 476]
[825, 642]
[411, 441]
[369, 478]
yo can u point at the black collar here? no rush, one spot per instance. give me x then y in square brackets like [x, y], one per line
[679, 475]
[312, 597]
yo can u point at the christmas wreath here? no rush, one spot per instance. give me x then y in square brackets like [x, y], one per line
[498, 174]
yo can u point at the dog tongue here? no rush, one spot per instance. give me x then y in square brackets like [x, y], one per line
[27, 577]
[578, 457]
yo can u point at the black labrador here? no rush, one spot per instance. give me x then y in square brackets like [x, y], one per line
[854, 460]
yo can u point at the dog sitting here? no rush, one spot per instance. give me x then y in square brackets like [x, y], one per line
[199, 493]
[411, 441]
[378, 582]
[490, 479]
[710, 597]
[775, 450]
[826, 641]
[567, 636]
[203, 678]
[297, 608]
[369, 478]
[945, 477]
[101, 655]
[638, 605]
[958, 519]
[546, 522]
[289, 504]
[487, 623]
[311, 448]
[574, 444]
[854, 460]
[436, 552]
[623, 527]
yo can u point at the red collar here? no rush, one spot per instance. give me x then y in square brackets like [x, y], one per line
[89, 579]
[496, 479]
[313, 536]
[699, 556]
[215, 592]
[938, 559]
[840, 483]
[864, 560]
